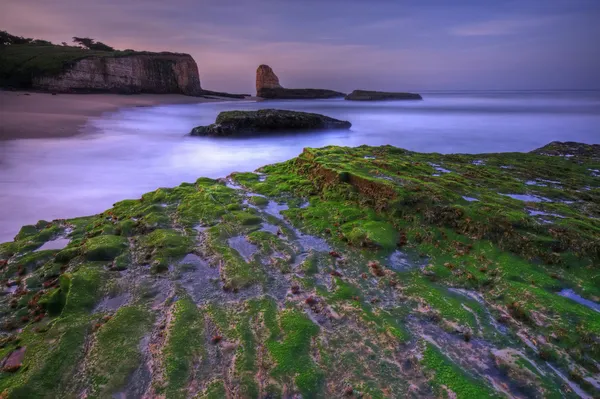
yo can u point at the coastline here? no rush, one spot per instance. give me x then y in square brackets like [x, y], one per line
[33, 115]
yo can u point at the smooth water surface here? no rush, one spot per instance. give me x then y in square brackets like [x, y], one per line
[126, 153]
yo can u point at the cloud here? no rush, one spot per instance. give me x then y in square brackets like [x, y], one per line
[501, 27]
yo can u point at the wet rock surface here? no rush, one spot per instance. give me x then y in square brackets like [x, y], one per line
[267, 120]
[345, 271]
[367, 95]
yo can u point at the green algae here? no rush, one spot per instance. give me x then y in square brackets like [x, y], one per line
[448, 376]
[51, 360]
[163, 246]
[258, 201]
[215, 390]
[314, 322]
[184, 346]
[116, 354]
[291, 354]
[104, 247]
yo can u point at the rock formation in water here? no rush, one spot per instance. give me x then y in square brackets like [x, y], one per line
[266, 78]
[367, 95]
[138, 73]
[267, 120]
[268, 86]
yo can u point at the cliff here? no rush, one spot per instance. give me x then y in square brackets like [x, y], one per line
[365, 95]
[268, 86]
[73, 69]
[160, 73]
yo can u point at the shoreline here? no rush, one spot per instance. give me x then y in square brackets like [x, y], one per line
[36, 115]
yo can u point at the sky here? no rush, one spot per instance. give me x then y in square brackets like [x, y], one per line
[343, 44]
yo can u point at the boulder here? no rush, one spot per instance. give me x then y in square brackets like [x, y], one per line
[13, 361]
[366, 95]
[267, 120]
[268, 86]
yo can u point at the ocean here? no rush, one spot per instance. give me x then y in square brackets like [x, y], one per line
[126, 153]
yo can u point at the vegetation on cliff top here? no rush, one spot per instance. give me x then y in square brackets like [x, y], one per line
[370, 271]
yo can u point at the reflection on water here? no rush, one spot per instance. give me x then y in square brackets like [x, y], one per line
[132, 151]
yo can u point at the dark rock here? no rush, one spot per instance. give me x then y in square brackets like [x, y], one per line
[222, 94]
[298, 94]
[364, 95]
[13, 361]
[267, 86]
[267, 120]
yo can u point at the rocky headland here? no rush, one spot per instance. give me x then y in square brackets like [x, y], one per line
[267, 120]
[268, 86]
[345, 272]
[158, 73]
[367, 95]
[41, 65]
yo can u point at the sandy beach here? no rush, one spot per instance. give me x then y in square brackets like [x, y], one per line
[30, 115]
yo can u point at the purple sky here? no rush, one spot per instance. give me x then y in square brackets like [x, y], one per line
[343, 44]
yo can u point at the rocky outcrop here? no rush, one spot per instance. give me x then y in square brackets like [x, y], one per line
[267, 120]
[267, 86]
[266, 78]
[138, 73]
[210, 93]
[366, 95]
[298, 94]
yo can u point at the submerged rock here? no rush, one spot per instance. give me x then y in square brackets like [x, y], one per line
[366, 95]
[267, 120]
[268, 86]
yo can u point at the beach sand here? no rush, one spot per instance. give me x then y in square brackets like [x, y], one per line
[30, 115]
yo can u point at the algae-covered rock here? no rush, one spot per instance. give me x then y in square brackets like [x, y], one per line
[267, 120]
[104, 247]
[354, 272]
[368, 95]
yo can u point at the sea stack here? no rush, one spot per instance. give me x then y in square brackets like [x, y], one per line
[268, 86]
[266, 78]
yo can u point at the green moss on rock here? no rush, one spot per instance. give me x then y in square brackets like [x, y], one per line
[104, 247]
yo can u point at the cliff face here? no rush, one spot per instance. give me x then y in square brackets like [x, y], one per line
[138, 73]
[267, 86]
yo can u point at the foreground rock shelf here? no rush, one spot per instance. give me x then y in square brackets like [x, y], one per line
[343, 272]
[267, 120]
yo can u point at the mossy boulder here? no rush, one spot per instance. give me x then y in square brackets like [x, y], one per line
[267, 120]
[104, 247]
